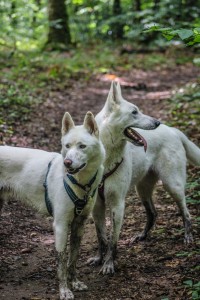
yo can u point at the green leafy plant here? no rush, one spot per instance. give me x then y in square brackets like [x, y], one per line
[24, 25]
[186, 35]
[194, 289]
[184, 103]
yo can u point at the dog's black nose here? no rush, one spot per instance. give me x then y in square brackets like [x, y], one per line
[157, 123]
[67, 163]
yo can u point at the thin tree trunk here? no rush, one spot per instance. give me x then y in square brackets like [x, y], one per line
[118, 31]
[137, 5]
[13, 20]
[187, 9]
[156, 5]
[59, 32]
[38, 3]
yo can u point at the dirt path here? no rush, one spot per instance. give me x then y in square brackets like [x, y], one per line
[154, 269]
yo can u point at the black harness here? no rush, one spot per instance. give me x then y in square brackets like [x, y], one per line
[78, 202]
[46, 195]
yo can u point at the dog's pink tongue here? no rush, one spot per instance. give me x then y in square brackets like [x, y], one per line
[145, 145]
[143, 141]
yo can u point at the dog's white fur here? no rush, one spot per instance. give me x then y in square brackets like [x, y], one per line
[22, 174]
[167, 152]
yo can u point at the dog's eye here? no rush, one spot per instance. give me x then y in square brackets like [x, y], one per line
[134, 112]
[82, 146]
[67, 146]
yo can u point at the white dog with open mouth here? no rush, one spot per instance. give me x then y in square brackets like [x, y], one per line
[165, 157]
[65, 185]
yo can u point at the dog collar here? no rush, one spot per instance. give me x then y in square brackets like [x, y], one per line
[105, 176]
[78, 202]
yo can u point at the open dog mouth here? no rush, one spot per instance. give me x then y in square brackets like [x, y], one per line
[74, 171]
[135, 138]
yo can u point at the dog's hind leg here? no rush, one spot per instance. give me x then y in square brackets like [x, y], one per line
[145, 190]
[1, 200]
[1, 204]
[176, 188]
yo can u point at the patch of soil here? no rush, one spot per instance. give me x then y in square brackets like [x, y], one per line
[153, 269]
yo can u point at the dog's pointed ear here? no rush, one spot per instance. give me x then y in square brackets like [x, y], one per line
[67, 123]
[119, 90]
[114, 97]
[90, 124]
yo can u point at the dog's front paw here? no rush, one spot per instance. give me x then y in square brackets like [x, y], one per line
[66, 294]
[79, 286]
[94, 261]
[108, 267]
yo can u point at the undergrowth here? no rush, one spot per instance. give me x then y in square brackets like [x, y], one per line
[25, 73]
[185, 114]
[194, 289]
[27, 78]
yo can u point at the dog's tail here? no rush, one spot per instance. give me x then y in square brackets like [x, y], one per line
[192, 151]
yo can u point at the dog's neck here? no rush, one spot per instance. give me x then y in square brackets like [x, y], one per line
[113, 145]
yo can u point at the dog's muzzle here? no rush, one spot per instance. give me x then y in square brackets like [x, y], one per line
[68, 164]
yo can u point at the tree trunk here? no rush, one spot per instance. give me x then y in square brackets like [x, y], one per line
[13, 20]
[118, 31]
[137, 5]
[38, 3]
[156, 5]
[59, 33]
[189, 7]
[189, 3]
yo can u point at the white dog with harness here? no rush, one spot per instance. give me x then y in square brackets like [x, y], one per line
[65, 185]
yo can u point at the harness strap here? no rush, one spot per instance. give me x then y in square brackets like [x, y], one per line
[105, 176]
[86, 187]
[79, 203]
[46, 195]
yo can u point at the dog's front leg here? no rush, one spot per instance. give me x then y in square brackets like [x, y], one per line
[60, 231]
[100, 224]
[77, 228]
[116, 214]
[65, 292]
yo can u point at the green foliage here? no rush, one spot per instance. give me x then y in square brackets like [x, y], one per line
[188, 253]
[27, 78]
[24, 23]
[188, 36]
[185, 114]
[193, 188]
[186, 103]
[194, 289]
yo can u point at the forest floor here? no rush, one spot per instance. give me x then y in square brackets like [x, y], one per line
[154, 269]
